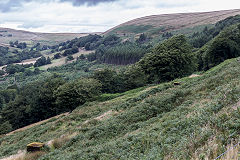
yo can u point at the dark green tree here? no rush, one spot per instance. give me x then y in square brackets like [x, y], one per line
[108, 79]
[142, 38]
[169, 60]
[73, 94]
[42, 61]
[224, 46]
[134, 77]
[70, 58]
[82, 57]
[57, 56]
[87, 46]
[11, 69]
[48, 61]
[36, 71]
[34, 102]
[11, 44]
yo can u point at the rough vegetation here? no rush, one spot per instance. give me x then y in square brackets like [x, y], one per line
[164, 121]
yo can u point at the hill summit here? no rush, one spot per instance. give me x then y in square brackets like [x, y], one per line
[171, 22]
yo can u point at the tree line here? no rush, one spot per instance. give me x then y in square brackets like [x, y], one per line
[122, 54]
[43, 99]
[16, 56]
[199, 39]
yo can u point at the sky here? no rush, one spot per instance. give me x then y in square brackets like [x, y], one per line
[85, 16]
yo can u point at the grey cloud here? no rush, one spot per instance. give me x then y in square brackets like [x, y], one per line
[88, 2]
[11, 5]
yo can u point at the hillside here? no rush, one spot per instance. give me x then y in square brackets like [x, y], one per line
[7, 35]
[170, 22]
[195, 120]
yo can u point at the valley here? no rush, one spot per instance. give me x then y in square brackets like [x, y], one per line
[157, 87]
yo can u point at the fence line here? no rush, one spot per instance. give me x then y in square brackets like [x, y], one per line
[227, 150]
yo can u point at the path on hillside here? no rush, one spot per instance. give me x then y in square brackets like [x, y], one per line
[19, 155]
[35, 124]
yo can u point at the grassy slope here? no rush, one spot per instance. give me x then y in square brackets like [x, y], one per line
[169, 22]
[197, 119]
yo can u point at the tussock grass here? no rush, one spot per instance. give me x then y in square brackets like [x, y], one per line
[32, 156]
[232, 154]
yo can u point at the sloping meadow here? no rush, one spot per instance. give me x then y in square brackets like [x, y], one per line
[197, 119]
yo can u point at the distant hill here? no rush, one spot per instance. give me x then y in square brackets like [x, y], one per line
[7, 35]
[156, 24]
[153, 25]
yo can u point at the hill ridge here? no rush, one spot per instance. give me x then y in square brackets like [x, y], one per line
[170, 19]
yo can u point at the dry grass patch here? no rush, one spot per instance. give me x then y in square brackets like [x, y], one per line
[236, 106]
[59, 142]
[232, 153]
[17, 156]
[32, 156]
[106, 115]
[211, 148]
[194, 75]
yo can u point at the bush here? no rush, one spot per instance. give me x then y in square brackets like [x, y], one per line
[11, 69]
[42, 61]
[70, 58]
[57, 56]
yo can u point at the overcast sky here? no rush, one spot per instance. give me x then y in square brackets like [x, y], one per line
[93, 15]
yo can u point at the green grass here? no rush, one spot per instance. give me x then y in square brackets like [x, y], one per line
[194, 120]
[31, 68]
[107, 96]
